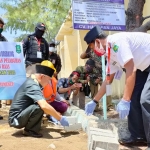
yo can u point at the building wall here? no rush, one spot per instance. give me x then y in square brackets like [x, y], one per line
[72, 45]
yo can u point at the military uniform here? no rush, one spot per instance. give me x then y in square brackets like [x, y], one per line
[97, 73]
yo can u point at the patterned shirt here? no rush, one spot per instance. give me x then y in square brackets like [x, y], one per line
[97, 70]
[63, 83]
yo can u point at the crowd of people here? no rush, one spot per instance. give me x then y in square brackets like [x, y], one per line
[43, 92]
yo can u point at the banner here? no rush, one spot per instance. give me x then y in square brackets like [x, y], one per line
[12, 69]
[108, 14]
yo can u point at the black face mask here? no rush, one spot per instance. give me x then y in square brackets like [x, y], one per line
[38, 33]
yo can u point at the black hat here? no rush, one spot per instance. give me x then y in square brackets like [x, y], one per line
[90, 62]
[41, 26]
[93, 34]
[2, 21]
[44, 70]
[46, 67]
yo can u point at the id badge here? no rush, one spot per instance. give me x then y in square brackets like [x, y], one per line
[39, 54]
[108, 90]
[118, 74]
[53, 61]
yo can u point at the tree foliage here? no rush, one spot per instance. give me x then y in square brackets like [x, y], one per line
[24, 14]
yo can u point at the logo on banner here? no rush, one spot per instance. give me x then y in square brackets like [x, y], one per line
[18, 49]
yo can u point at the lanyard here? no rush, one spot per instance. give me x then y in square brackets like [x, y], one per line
[39, 42]
[108, 64]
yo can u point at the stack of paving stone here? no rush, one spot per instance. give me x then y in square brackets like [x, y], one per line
[102, 134]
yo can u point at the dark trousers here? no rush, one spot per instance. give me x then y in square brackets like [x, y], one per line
[139, 115]
[30, 118]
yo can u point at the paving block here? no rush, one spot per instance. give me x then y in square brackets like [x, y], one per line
[99, 148]
[99, 132]
[106, 143]
[118, 126]
[76, 111]
[86, 120]
[73, 127]
[71, 108]
[66, 114]
[72, 119]
[91, 123]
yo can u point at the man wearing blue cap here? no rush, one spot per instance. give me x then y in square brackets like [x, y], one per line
[129, 50]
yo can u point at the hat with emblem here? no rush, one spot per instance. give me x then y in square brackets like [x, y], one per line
[93, 34]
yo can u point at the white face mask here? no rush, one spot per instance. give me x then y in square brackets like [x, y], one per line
[52, 49]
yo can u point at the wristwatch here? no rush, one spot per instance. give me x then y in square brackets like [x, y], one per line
[95, 101]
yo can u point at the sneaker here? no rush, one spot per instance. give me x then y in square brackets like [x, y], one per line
[31, 133]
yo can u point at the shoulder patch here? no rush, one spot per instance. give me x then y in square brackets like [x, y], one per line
[115, 48]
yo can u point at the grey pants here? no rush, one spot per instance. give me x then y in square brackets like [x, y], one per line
[81, 97]
[30, 118]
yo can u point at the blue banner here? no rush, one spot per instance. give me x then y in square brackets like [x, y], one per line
[12, 69]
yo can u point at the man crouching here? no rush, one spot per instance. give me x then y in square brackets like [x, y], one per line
[29, 104]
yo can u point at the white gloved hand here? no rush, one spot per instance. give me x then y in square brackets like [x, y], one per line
[123, 108]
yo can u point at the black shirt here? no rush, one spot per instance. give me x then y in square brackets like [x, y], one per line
[29, 93]
[56, 61]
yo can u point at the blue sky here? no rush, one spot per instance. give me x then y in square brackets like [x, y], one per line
[7, 34]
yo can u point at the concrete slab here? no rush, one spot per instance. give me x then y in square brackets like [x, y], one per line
[106, 143]
[72, 119]
[73, 127]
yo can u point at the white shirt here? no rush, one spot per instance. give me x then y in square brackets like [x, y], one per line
[126, 46]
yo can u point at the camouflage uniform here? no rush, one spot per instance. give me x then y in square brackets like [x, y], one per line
[81, 95]
[97, 73]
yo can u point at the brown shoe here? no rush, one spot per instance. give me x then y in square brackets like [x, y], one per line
[31, 133]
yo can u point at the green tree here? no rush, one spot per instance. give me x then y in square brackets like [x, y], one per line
[24, 14]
